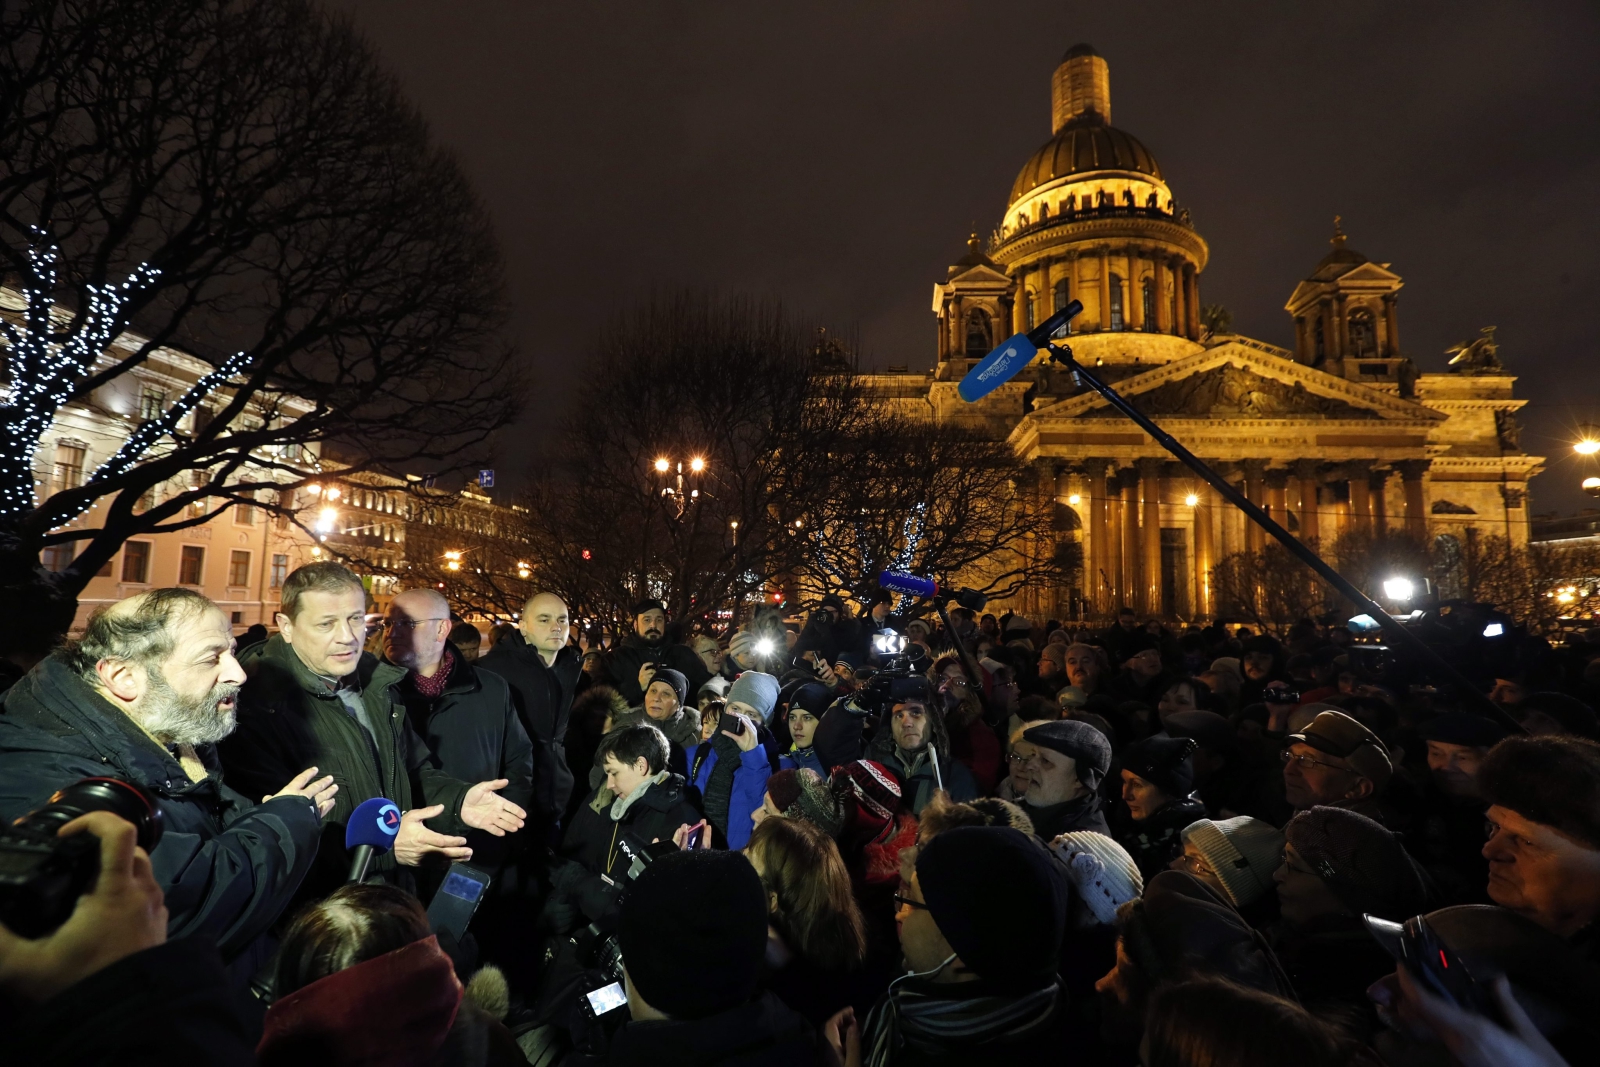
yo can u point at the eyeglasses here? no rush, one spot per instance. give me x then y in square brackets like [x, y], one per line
[907, 902]
[408, 624]
[1307, 761]
[1019, 761]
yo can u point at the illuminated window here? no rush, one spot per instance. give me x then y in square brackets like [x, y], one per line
[191, 565]
[1116, 303]
[1148, 305]
[152, 403]
[136, 562]
[69, 465]
[280, 570]
[239, 568]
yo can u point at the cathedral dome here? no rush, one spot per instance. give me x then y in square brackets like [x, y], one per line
[1080, 147]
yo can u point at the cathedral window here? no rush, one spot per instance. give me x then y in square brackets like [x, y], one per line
[1363, 334]
[1061, 302]
[1031, 311]
[1148, 305]
[978, 343]
[1117, 321]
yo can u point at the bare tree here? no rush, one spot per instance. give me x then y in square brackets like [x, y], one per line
[281, 214]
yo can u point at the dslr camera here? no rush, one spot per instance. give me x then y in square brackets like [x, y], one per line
[42, 875]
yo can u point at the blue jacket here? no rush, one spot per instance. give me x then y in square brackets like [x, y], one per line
[803, 759]
[749, 787]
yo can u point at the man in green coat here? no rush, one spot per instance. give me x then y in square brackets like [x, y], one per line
[314, 694]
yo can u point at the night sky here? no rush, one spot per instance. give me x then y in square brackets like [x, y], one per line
[835, 155]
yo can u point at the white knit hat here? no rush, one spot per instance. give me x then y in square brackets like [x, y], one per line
[1243, 851]
[1101, 871]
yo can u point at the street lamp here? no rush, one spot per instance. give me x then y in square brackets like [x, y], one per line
[524, 571]
[1192, 500]
[1591, 486]
[698, 465]
[1588, 442]
[1074, 499]
[452, 560]
[663, 465]
[678, 491]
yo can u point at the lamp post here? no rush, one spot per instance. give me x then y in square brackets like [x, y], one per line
[680, 486]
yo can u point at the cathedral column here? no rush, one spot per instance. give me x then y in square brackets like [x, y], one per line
[1133, 305]
[1072, 282]
[1306, 471]
[1330, 343]
[1150, 486]
[1341, 321]
[1302, 345]
[1277, 495]
[1254, 470]
[1175, 268]
[1391, 327]
[1378, 481]
[1095, 560]
[1205, 556]
[1105, 289]
[1191, 302]
[1132, 581]
[1411, 472]
[1158, 279]
[1359, 474]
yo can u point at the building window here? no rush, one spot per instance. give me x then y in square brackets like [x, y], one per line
[244, 514]
[978, 333]
[69, 465]
[56, 558]
[191, 565]
[1029, 312]
[239, 568]
[152, 403]
[1061, 298]
[237, 618]
[280, 570]
[1363, 335]
[1116, 303]
[1148, 305]
[136, 562]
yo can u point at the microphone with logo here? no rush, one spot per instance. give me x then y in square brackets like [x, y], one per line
[373, 827]
[1007, 361]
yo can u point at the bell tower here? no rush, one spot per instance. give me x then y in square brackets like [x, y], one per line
[1345, 319]
[973, 305]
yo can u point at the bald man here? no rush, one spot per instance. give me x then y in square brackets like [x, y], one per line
[542, 669]
[465, 715]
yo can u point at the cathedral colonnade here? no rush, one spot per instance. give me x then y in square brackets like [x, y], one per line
[1153, 531]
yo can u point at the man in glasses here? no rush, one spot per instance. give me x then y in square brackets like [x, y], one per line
[464, 714]
[1338, 762]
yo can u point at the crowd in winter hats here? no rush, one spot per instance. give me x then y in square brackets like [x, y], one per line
[1163, 762]
[757, 689]
[1362, 862]
[1102, 873]
[1243, 852]
[1088, 747]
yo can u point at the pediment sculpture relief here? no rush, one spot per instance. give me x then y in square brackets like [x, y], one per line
[1232, 390]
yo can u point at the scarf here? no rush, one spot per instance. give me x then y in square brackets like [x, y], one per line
[433, 688]
[620, 806]
[918, 1018]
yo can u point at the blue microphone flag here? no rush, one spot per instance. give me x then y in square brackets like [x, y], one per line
[1005, 362]
[375, 822]
[909, 584]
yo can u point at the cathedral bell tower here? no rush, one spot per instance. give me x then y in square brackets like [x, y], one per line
[1345, 320]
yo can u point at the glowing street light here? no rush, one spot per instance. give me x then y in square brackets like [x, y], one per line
[326, 519]
[1592, 486]
[663, 464]
[1074, 499]
[697, 465]
[452, 560]
[1193, 500]
[1588, 442]
[524, 571]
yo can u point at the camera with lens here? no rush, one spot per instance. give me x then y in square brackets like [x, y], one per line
[42, 875]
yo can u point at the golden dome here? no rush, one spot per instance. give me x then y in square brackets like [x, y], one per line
[1082, 146]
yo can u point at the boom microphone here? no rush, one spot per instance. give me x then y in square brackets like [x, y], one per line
[916, 585]
[373, 827]
[1004, 363]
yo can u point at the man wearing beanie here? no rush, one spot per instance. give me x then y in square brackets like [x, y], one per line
[666, 708]
[799, 793]
[1238, 857]
[980, 927]
[1157, 801]
[1336, 762]
[1445, 831]
[693, 931]
[1063, 772]
[1337, 866]
[732, 768]
[645, 651]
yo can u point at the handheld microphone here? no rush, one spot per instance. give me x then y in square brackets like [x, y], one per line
[1003, 364]
[373, 827]
[916, 585]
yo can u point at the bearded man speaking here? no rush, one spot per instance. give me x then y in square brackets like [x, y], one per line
[144, 696]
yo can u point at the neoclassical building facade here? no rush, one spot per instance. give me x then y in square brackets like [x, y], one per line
[1340, 434]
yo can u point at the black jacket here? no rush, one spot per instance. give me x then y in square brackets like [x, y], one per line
[627, 658]
[589, 847]
[1157, 841]
[761, 1033]
[1084, 813]
[290, 719]
[227, 865]
[543, 698]
[472, 729]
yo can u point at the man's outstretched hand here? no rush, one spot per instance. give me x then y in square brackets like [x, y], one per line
[484, 809]
[415, 840]
[124, 913]
[320, 792]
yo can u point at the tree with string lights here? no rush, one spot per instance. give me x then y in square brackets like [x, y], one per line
[241, 182]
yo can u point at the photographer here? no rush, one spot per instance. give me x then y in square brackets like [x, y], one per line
[640, 798]
[632, 663]
[143, 696]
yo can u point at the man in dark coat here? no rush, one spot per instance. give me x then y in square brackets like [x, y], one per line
[315, 697]
[641, 799]
[1064, 762]
[647, 648]
[542, 670]
[143, 697]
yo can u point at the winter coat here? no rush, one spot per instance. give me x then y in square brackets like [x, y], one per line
[1155, 842]
[161, 1006]
[803, 758]
[683, 729]
[543, 698]
[627, 658]
[763, 1032]
[915, 771]
[589, 852]
[1071, 816]
[291, 719]
[227, 865]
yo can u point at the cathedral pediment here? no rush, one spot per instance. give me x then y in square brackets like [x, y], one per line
[1235, 381]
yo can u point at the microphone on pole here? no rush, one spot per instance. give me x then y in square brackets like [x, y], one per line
[372, 827]
[1004, 363]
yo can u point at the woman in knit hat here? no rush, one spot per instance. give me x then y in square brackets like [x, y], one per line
[1337, 866]
[1236, 857]
[1158, 801]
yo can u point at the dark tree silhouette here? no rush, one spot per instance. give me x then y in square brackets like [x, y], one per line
[287, 221]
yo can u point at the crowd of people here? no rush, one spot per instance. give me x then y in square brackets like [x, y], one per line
[878, 836]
